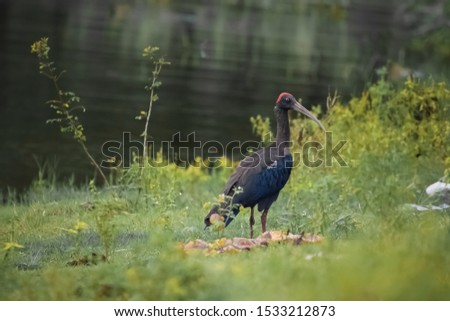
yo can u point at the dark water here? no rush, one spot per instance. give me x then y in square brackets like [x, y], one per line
[230, 59]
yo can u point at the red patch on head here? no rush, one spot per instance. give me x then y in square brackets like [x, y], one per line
[281, 96]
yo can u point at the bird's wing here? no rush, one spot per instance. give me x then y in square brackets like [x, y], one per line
[250, 165]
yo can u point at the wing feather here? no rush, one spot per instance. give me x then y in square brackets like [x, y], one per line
[249, 166]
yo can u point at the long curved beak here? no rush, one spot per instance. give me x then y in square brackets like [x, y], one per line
[299, 108]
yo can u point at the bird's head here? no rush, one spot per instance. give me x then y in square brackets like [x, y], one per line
[214, 216]
[286, 101]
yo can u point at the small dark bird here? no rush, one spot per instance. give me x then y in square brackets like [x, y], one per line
[260, 177]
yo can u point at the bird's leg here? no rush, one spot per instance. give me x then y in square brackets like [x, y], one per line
[263, 220]
[252, 222]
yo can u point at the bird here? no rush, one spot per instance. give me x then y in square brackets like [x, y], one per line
[259, 177]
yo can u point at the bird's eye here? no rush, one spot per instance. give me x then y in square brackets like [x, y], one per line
[287, 99]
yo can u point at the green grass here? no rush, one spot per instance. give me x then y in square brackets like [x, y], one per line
[386, 253]
[376, 247]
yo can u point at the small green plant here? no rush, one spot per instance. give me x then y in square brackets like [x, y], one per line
[105, 211]
[151, 53]
[93, 189]
[12, 245]
[76, 232]
[66, 104]
[138, 178]
[46, 178]
[223, 208]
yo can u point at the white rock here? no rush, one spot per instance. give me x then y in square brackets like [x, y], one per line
[437, 187]
[433, 207]
[419, 207]
[440, 207]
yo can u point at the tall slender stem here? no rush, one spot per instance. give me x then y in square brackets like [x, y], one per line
[93, 161]
[150, 105]
[62, 105]
[80, 141]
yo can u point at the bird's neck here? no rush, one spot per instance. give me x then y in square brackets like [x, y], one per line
[283, 130]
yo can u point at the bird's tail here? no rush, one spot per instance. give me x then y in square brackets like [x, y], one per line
[225, 212]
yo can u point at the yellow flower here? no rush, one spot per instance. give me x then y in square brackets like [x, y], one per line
[80, 226]
[77, 228]
[221, 198]
[41, 48]
[12, 245]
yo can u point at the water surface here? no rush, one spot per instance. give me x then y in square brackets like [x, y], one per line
[230, 60]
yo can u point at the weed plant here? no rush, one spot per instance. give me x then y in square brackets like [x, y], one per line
[66, 104]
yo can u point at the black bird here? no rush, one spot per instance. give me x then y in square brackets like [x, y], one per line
[260, 177]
